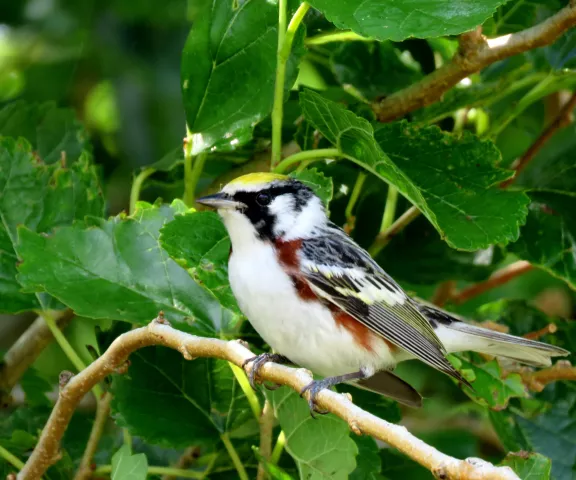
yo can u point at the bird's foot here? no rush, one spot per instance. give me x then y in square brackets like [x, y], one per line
[315, 387]
[258, 362]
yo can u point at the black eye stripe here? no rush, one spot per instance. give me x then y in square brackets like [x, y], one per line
[258, 211]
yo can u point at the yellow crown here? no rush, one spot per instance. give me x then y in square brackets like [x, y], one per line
[259, 177]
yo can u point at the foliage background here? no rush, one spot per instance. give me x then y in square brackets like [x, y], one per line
[112, 71]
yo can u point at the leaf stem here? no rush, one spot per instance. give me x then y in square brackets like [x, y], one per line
[192, 176]
[278, 448]
[532, 96]
[390, 208]
[67, 348]
[11, 458]
[137, 187]
[349, 212]
[285, 39]
[337, 36]
[176, 472]
[384, 237]
[247, 389]
[234, 457]
[306, 155]
[188, 196]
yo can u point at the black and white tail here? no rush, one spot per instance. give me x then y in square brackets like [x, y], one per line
[459, 336]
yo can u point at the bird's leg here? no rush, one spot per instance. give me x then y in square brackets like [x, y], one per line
[258, 362]
[315, 386]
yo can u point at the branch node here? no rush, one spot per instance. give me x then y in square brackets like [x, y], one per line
[244, 343]
[185, 353]
[161, 319]
[122, 369]
[440, 472]
[347, 396]
[64, 378]
[353, 424]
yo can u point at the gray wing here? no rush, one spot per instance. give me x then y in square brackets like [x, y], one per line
[343, 273]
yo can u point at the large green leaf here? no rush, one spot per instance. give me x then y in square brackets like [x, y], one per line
[39, 197]
[117, 269]
[492, 387]
[548, 239]
[126, 466]
[529, 466]
[375, 69]
[321, 447]
[50, 130]
[554, 434]
[228, 67]
[177, 403]
[401, 19]
[198, 241]
[452, 179]
[369, 463]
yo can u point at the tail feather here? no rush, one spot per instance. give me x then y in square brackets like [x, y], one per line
[458, 336]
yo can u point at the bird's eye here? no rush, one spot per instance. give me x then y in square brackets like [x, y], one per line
[263, 199]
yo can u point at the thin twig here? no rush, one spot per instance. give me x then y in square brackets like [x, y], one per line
[102, 412]
[266, 427]
[26, 350]
[471, 60]
[550, 328]
[563, 119]
[537, 380]
[498, 278]
[159, 333]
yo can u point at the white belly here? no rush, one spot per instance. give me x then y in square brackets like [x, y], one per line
[305, 332]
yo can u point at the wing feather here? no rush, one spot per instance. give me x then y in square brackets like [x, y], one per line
[342, 273]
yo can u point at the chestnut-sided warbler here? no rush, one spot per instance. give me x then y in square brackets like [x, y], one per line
[321, 302]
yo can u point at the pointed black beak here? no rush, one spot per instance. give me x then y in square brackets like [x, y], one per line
[219, 200]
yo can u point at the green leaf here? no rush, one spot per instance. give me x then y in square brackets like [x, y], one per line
[50, 130]
[35, 388]
[529, 466]
[321, 447]
[117, 269]
[176, 403]
[198, 241]
[452, 180]
[397, 19]
[228, 68]
[375, 69]
[369, 463]
[553, 169]
[126, 466]
[553, 434]
[548, 239]
[397, 466]
[459, 182]
[491, 388]
[317, 181]
[39, 197]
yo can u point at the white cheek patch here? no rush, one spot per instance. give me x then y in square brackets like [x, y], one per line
[282, 208]
[306, 221]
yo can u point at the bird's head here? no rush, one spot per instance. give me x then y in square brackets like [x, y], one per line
[267, 206]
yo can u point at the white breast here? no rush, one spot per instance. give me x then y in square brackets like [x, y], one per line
[305, 332]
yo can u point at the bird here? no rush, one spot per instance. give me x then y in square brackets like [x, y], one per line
[321, 302]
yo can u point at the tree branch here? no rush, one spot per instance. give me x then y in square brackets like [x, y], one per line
[160, 333]
[498, 278]
[472, 56]
[26, 350]
[563, 119]
[537, 380]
